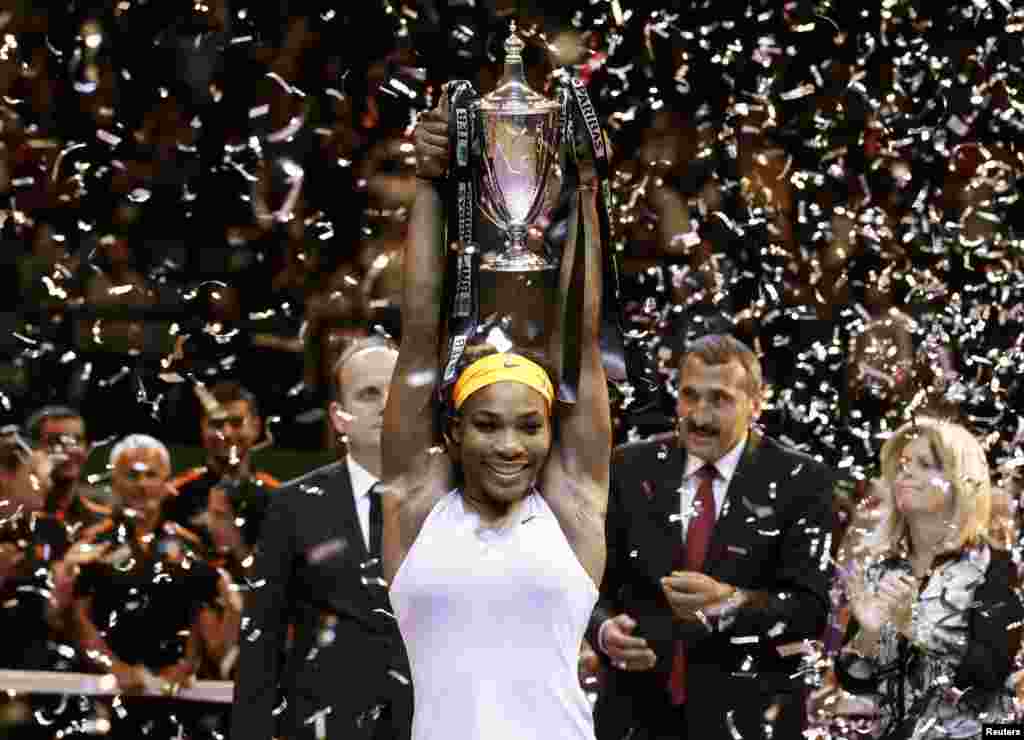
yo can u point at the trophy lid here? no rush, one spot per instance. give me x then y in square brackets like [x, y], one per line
[513, 94]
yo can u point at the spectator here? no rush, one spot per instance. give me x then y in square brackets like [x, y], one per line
[935, 617]
[60, 432]
[229, 429]
[135, 611]
[25, 481]
[119, 284]
[41, 275]
[35, 563]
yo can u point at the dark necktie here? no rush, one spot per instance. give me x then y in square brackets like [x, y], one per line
[690, 556]
[376, 522]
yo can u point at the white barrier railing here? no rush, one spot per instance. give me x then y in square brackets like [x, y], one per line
[94, 684]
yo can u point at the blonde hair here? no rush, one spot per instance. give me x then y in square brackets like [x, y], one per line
[963, 465]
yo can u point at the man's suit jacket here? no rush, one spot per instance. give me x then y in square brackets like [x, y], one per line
[347, 659]
[771, 538]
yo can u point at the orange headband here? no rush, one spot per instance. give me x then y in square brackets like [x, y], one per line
[498, 367]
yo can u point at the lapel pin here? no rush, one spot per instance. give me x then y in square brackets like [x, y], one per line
[325, 550]
[761, 512]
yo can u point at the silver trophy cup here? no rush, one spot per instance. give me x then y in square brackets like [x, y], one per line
[519, 135]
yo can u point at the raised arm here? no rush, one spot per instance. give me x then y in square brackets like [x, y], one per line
[575, 479]
[409, 423]
[413, 478]
[584, 444]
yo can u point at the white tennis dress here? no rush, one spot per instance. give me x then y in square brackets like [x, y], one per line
[493, 621]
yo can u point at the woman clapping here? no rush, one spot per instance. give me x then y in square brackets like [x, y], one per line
[935, 614]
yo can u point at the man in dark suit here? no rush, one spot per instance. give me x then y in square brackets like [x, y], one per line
[345, 672]
[718, 562]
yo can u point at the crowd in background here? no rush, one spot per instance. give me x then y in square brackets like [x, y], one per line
[230, 186]
[216, 196]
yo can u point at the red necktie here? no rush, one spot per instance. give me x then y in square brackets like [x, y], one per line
[691, 557]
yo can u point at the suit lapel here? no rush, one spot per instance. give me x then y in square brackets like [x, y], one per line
[661, 479]
[335, 552]
[350, 517]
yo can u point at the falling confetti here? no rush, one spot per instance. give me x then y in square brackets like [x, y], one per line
[838, 183]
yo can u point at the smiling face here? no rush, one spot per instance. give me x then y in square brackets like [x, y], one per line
[715, 407]
[920, 485]
[503, 437]
[938, 474]
[139, 478]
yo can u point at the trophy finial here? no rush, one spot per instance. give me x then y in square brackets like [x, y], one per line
[513, 45]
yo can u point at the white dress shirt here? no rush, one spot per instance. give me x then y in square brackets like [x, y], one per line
[726, 467]
[362, 481]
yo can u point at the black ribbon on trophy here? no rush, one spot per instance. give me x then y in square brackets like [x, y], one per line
[462, 283]
[578, 112]
[573, 111]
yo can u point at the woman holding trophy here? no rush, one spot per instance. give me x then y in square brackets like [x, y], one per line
[494, 514]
